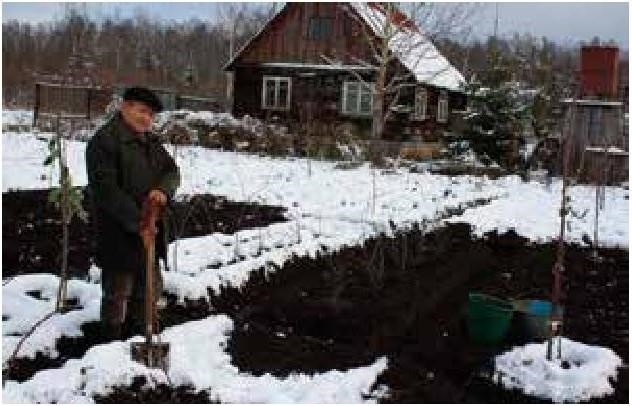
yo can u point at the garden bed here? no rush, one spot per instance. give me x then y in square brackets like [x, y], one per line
[336, 311]
[31, 227]
[405, 298]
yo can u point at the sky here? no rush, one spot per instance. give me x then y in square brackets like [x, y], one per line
[565, 23]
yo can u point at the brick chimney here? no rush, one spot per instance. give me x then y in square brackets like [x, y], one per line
[599, 72]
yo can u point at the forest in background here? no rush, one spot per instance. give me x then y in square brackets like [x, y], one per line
[189, 56]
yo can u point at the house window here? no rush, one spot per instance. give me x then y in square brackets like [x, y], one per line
[421, 103]
[319, 28]
[442, 108]
[276, 93]
[357, 98]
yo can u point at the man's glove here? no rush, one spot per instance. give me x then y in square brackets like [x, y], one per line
[158, 197]
[152, 209]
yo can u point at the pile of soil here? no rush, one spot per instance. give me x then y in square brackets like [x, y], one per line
[31, 228]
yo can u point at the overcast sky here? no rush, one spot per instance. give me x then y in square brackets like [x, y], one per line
[566, 23]
[563, 22]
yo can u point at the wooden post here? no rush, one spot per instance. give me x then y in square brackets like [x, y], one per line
[89, 103]
[37, 103]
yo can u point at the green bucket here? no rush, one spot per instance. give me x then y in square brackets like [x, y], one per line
[488, 318]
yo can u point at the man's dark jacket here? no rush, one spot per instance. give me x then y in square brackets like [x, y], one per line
[122, 168]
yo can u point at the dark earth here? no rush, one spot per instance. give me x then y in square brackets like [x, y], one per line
[31, 228]
[340, 311]
[404, 298]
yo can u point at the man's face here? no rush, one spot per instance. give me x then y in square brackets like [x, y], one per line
[137, 115]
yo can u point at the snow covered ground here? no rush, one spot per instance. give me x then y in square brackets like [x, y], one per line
[21, 311]
[16, 118]
[196, 358]
[531, 209]
[318, 190]
[327, 207]
[585, 375]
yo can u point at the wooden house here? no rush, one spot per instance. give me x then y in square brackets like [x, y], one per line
[305, 64]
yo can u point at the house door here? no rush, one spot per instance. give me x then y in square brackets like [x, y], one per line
[307, 97]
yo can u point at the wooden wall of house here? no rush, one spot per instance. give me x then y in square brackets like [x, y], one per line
[286, 38]
[403, 128]
[318, 97]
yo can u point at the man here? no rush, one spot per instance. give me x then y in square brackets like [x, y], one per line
[127, 166]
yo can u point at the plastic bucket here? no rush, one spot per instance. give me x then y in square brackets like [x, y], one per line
[535, 318]
[488, 318]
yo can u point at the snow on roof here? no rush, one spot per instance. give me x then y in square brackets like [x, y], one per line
[416, 52]
[609, 150]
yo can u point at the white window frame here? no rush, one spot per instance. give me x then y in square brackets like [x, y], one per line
[442, 108]
[421, 104]
[276, 82]
[363, 88]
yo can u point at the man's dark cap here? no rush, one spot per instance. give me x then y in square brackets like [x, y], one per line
[143, 95]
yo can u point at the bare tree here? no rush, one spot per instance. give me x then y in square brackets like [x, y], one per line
[232, 17]
[401, 53]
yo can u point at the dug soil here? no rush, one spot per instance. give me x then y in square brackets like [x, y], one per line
[31, 228]
[406, 297]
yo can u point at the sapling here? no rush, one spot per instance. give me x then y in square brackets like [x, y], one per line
[68, 199]
[558, 268]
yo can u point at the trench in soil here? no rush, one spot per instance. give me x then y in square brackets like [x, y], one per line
[403, 297]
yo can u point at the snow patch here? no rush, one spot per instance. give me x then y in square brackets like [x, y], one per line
[22, 310]
[197, 358]
[587, 375]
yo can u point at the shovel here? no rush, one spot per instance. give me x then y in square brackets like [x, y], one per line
[153, 354]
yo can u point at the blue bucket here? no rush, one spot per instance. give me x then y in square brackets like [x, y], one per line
[536, 316]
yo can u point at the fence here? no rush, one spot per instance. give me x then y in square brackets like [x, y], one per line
[68, 101]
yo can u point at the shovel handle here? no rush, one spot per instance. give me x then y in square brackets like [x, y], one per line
[151, 212]
[149, 290]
